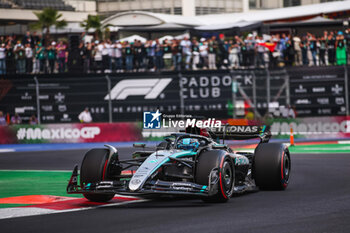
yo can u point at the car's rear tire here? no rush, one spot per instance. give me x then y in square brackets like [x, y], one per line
[93, 169]
[271, 166]
[216, 159]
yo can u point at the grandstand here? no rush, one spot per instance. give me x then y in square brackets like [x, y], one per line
[40, 4]
[4, 4]
[17, 15]
[36, 4]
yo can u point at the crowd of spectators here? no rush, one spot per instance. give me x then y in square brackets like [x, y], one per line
[32, 55]
[6, 119]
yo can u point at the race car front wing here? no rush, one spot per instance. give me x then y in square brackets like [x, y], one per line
[150, 187]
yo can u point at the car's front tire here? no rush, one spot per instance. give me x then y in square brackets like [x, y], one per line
[94, 169]
[220, 160]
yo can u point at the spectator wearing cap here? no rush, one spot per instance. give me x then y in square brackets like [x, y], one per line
[20, 58]
[2, 59]
[51, 56]
[62, 56]
[29, 58]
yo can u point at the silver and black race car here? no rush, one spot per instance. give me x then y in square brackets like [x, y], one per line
[188, 163]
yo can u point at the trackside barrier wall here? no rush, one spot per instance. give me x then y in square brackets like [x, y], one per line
[312, 91]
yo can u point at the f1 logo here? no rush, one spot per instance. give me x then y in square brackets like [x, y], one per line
[149, 88]
[151, 120]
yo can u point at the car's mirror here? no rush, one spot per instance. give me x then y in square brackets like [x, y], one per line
[139, 145]
[160, 148]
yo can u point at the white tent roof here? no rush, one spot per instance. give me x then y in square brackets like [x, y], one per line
[276, 14]
[317, 19]
[133, 38]
[139, 18]
[224, 26]
[167, 37]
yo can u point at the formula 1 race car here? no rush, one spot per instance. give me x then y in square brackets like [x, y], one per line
[187, 163]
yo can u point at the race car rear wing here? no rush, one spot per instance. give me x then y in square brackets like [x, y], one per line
[241, 132]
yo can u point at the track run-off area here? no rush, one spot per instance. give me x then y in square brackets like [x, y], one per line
[33, 199]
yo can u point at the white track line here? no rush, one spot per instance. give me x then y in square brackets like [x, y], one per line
[22, 212]
[7, 150]
[21, 170]
[344, 142]
[328, 149]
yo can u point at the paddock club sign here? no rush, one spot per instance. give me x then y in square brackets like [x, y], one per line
[205, 95]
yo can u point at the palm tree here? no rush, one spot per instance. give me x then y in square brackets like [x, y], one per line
[94, 21]
[46, 18]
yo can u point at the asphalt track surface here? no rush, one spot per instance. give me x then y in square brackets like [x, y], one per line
[317, 200]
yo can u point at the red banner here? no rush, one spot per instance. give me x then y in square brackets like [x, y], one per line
[58, 133]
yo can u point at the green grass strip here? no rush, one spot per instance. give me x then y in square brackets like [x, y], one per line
[312, 149]
[11, 205]
[21, 183]
[322, 148]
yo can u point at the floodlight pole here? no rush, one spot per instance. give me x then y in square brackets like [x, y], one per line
[181, 94]
[346, 83]
[38, 113]
[110, 116]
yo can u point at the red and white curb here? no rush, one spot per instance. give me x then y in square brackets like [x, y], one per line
[73, 204]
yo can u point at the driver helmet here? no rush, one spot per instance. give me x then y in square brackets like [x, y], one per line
[188, 144]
